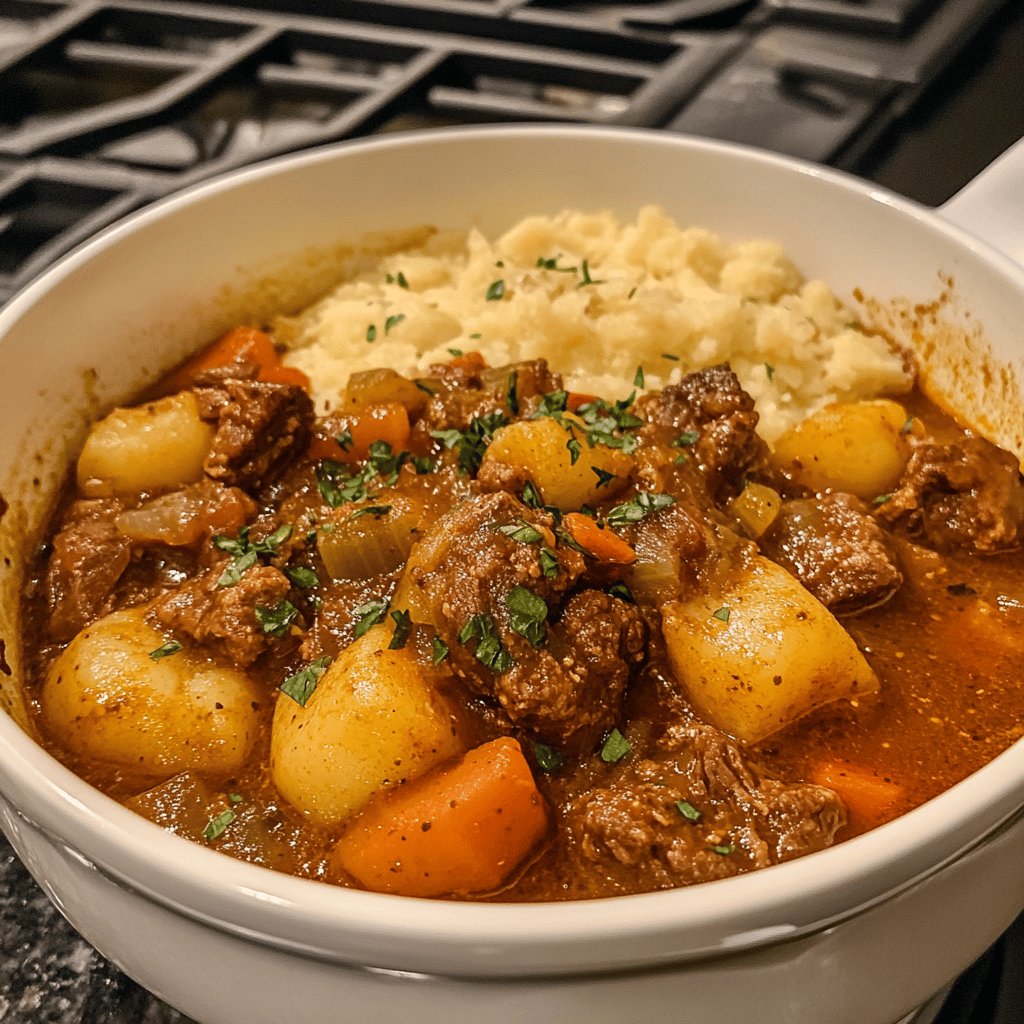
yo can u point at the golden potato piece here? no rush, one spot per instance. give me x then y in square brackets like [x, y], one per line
[107, 698]
[859, 448]
[373, 722]
[158, 446]
[761, 652]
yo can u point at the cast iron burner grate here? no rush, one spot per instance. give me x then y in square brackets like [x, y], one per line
[107, 106]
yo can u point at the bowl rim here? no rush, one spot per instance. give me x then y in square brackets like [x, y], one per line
[742, 912]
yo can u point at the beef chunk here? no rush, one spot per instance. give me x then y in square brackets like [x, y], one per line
[565, 682]
[960, 495]
[836, 550]
[260, 428]
[710, 407]
[466, 393]
[637, 831]
[223, 617]
[89, 557]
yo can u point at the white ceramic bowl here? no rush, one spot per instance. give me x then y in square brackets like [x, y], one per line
[861, 933]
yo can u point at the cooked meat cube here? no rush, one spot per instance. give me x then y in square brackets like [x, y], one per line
[836, 550]
[467, 393]
[698, 812]
[960, 495]
[89, 556]
[712, 419]
[260, 427]
[565, 682]
[223, 616]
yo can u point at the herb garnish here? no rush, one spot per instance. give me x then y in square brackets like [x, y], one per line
[956, 589]
[688, 811]
[908, 425]
[615, 747]
[511, 398]
[165, 650]
[622, 592]
[439, 649]
[423, 464]
[393, 321]
[495, 291]
[587, 279]
[548, 563]
[521, 531]
[548, 759]
[686, 438]
[216, 826]
[489, 649]
[527, 614]
[371, 510]
[300, 685]
[344, 440]
[574, 449]
[471, 443]
[371, 332]
[275, 621]
[303, 578]
[638, 378]
[722, 614]
[244, 552]
[603, 476]
[724, 849]
[369, 614]
[403, 627]
[456, 352]
[531, 496]
[638, 507]
[769, 371]
[881, 499]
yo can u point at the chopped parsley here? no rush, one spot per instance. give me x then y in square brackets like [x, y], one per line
[574, 449]
[456, 352]
[275, 621]
[638, 378]
[439, 650]
[368, 615]
[371, 510]
[956, 589]
[603, 476]
[344, 440]
[553, 404]
[548, 759]
[245, 553]
[522, 532]
[688, 811]
[548, 563]
[403, 627]
[165, 650]
[686, 438]
[769, 371]
[393, 321]
[511, 397]
[216, 826]
[531, 496]
[551, 263]
[496, 291]
[423, 386]
[527, 614]
[622, 592]
[470, 444]
[489, 649]
[670, 356]
[371, 332]
[300, 685]
[586, 278]
[615, 747]
[235, 798]
[423, 464]
[881, 499]
[638, 507]
[338, 485]
[303, 578]
[723, 849]
[398, 279]
[908, 425]
[722, 614]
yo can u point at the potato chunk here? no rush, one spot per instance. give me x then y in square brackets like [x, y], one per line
[106, 698]
[539, 449]
[860, 448]
[761, 652]
[373, 722]
[159, 446]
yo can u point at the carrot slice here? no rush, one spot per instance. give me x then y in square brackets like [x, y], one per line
[470, 361]
[870, 800]
[457, 830]
[382, 421]
[600, 541]
[238, 344]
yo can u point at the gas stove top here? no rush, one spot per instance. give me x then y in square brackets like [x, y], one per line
[107, 106]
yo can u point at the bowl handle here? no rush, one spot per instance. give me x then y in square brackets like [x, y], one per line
[991, 206]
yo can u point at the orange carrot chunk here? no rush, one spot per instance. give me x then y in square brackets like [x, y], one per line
[473, 361]
[240, 344]
[454, 831]
[870, 800]
[600, 541]
[381, 421]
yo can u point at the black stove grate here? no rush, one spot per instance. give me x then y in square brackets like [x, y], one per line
[107, 106]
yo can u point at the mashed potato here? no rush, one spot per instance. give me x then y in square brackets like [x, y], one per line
[599, 298]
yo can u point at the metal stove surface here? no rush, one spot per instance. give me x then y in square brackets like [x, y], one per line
[105, 106]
